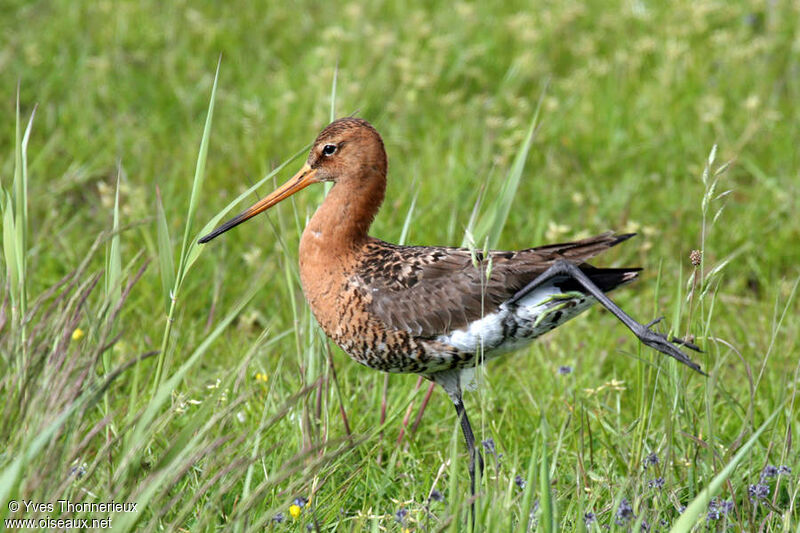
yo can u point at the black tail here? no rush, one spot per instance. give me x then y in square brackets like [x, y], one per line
[608, 279]
[577, 253]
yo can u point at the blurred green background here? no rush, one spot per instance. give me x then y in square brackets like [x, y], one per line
[634, 94]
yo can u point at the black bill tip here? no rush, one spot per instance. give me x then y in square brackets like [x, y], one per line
[223, 228]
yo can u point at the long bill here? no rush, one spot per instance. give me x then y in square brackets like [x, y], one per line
[299, 181]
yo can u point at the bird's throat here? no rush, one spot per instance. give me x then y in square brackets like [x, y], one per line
[340, 226]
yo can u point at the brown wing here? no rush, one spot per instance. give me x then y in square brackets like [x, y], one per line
[430, 291]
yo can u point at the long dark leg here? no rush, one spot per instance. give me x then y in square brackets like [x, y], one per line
[649, 337]
[474, 453]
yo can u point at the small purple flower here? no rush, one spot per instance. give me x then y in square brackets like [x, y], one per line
[278, 518]
[758, 492]
[400, 515]
[645, 526]
[657, 483]
[681, 509]
[624, 512]
[564, 370]
[726, 506]
[489, 446]
[784, 470]
[588, 518]
[436, 496]
[713, 510]
[532, 520]
[651, 460]
[769, 471]
[78, 471]
[520, 482]
[300, 502]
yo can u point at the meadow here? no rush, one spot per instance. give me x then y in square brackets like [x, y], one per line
[139, 367]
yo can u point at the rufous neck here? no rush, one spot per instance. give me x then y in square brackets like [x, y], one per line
[343, 220]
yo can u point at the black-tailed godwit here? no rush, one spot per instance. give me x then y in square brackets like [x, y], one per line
[431, 310]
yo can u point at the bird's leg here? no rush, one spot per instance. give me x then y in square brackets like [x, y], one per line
[422, 407]
[649, 337]
[469, 437]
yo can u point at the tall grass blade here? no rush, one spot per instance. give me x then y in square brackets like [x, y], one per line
[195, 248]
[407, 221]
[164, 392]
[10, 478]
[12, 474]
[23, 210]
[113, 275]
[455, 493]
[527, 494]
[548, 518]
[332, 117]
[18, 236]
[695, 510]
[333, 92]
[15, 222]
[166, 259]
[199, 177]
[10, 252]
[162, 365]
[492, 225]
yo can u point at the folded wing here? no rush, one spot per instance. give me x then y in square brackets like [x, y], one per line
[430, 291]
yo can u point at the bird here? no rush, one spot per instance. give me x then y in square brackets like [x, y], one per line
[433, 311]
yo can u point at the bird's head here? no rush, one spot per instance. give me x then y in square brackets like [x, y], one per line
[347, 150]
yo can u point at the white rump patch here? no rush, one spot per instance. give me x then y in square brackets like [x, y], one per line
[529, 315]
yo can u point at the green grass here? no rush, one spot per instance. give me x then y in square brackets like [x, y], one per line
[107, 186]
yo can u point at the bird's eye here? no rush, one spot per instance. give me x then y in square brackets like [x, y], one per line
[329, 149]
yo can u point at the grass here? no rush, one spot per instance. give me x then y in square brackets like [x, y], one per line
[138, 367]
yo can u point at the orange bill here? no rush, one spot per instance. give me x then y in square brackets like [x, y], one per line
[300, 181]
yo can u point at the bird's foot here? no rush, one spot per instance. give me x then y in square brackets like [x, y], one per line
[659, 341]
[686, 343]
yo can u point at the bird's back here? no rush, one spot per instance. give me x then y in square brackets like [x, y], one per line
[427, 309]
